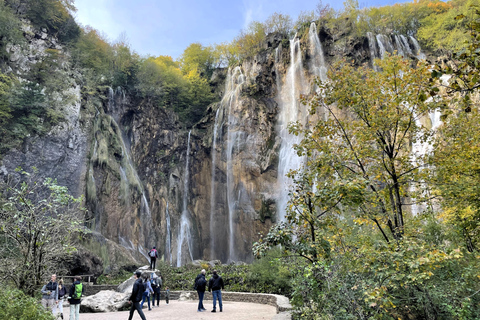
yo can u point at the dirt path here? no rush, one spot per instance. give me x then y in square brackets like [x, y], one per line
[182, 310]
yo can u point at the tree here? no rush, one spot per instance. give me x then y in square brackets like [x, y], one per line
[280, 23]
[371, 120]
[198, 58]
[38, 221]
[455, 161]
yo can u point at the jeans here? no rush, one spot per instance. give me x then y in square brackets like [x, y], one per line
[146, 296]
[152, 263]
[75, 311]
[200, 300]
[217, 294]
[136, 306]
[156, 295]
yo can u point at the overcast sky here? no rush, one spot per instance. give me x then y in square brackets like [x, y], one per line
[166, 27]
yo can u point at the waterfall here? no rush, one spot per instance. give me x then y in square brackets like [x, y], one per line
[418, 50]
[373, 49]
[184, 233]
[289, 111]
[405, 44]
[399, 45]
[319, 68]
[234, 85]
[212, 188]
[168, 239]
[381, 48]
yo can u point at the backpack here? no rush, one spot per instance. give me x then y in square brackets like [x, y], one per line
[77, 291]
[154, 282]
[152, 253]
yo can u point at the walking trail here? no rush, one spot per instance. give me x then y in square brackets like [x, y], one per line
[182, 310]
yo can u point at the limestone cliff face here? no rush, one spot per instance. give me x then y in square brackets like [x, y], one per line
[200, 193]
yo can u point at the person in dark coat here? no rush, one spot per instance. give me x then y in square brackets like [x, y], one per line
[136, 297]
[215, 285]
[153, 254]
[200, 285]
[74, 298]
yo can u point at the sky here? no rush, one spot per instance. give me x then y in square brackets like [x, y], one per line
[166, 27]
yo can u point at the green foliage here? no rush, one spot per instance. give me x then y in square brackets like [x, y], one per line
[199, 59]
[280, 23]
[10, 32]
[16, 305]
[161, 81]
[38, 220]
[440, 30]
[269, 275]
[92, 51]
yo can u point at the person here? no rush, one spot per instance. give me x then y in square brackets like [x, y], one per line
[74, 297]
[167, 295]
[50, 294]
[157, 287]
[216, 285]
[62, 294]
[200, 284]
[148, 290]
[153, 254]
[136, 297]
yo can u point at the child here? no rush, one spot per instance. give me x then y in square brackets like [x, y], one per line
[167, 294]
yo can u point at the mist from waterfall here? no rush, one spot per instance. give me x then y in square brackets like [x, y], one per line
[234, 84]
[290, 111]
[185, 224]
[212, 188]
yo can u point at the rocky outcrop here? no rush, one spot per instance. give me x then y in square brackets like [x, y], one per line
[105, 301]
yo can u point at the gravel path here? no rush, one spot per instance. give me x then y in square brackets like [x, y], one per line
[182, 310]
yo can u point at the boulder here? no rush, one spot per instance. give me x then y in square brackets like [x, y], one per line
[127, 285]
[186, 295]
[105, 301]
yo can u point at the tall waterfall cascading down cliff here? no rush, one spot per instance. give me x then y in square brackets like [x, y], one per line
[234, 84]
[184, 230]
[290, 111]
[212, 188]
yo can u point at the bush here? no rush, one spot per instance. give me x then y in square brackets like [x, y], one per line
[16, 305]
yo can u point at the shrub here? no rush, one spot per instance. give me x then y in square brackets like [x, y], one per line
[16, 305]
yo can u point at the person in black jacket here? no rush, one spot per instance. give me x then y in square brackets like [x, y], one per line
[74, 297]
[215, 284]
[136, 297]
[200, 285]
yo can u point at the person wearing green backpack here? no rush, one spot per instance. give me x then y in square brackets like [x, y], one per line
[76, 292]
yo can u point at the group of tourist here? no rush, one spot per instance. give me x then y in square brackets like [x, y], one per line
[55, 293]
[215, 285]
[145, 286]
